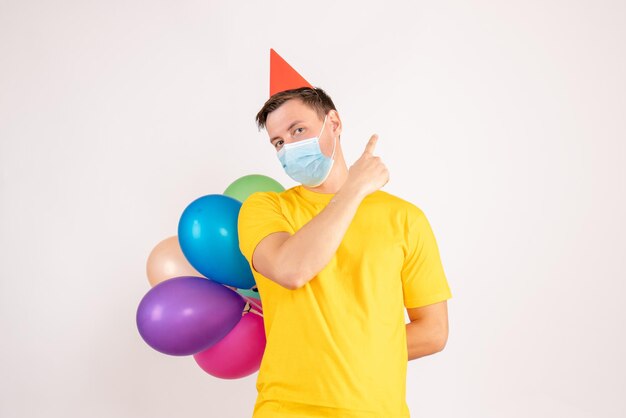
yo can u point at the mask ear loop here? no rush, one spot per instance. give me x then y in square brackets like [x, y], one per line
[334, 143]
[334, 147]
[332, 160]
[320, 136]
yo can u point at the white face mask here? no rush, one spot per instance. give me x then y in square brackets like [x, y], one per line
[304, 161]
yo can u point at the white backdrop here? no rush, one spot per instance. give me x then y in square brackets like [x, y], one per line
[504, 121]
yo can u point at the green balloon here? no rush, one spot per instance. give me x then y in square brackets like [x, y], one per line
[249, 293]
[244, 186]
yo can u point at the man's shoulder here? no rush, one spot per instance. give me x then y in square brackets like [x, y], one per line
[395, 202]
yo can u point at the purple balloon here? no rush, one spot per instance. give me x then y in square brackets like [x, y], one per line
[185, 315]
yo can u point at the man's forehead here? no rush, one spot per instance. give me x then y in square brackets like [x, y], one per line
[286, 115]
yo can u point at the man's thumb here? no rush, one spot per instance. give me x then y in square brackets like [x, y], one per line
[371, 144]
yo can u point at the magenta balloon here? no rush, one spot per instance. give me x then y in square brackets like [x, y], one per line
[239, 353]
[185, 315]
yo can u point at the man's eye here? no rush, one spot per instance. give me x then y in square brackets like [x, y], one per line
[280, 141]
[298, 130]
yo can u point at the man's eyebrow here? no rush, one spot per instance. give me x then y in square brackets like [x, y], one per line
[288, 129]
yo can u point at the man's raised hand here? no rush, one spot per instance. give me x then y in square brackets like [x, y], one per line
[368, 173]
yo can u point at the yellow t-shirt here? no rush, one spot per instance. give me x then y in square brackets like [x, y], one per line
[337, 347]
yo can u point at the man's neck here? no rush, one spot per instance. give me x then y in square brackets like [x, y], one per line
[335, 180]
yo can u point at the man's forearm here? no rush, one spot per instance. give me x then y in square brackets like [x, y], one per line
[423, 338]
[312, 247]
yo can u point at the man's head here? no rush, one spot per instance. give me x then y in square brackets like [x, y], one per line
[308, 115]
[291, 115]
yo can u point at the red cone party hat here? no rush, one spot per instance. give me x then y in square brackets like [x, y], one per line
[283, 76]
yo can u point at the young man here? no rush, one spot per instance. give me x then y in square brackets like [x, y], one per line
[336, 260]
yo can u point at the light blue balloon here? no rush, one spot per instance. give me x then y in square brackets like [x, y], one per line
[207, 234]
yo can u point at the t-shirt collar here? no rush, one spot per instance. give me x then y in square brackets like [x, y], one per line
[313, 196]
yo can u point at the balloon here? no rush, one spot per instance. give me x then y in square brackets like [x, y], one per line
[239, 353]
[251, 293]
[166, 261]
[244, 186]
[185, 315]
[208, 237]
[254, 303]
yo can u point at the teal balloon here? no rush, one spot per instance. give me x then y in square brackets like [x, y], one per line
[207, 234]
[249, 293]
[244, 186]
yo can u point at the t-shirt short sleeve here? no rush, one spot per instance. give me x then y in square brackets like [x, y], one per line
[259, 216]
[423, 278]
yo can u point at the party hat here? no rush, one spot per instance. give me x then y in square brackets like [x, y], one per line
[283, 76]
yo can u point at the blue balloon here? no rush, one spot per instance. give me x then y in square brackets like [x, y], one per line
[207, 234]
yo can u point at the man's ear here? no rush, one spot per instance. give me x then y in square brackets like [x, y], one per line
[336, 122]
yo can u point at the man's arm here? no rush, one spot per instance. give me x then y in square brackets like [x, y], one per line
[293, 260]
[427, 333]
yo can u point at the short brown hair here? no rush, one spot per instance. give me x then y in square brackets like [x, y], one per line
[315, 98]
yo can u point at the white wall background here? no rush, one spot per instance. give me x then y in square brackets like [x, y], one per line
[504, 121]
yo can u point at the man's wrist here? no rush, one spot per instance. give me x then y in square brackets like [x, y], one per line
[348, 191]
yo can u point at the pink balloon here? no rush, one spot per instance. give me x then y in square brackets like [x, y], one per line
[239, 353]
